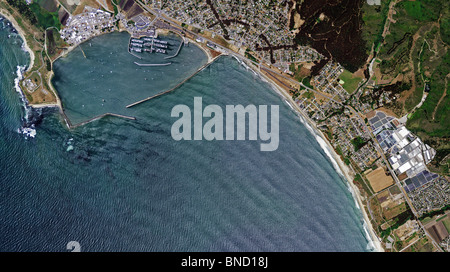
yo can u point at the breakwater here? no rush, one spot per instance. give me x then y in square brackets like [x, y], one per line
[176, 53]
[71, 126]
[152, 64]
[170, 90]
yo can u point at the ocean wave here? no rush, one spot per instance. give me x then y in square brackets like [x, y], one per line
[28, 127]
[246, 66]
[24, 48]
[19, 72]
[371, 243]
[325, 147]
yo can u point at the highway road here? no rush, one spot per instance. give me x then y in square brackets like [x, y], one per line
[161, 15]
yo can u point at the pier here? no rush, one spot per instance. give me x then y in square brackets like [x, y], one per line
[153, 64]
[82, 52]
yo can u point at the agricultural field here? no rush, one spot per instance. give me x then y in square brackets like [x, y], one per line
[446, 221]
[70, 5]
[422, 245]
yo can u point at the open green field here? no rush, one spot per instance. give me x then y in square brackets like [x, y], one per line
[45, 19]
[350, 82]
[446, 222]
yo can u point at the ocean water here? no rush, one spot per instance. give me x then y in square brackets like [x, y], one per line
[126, 185]
[106, 78]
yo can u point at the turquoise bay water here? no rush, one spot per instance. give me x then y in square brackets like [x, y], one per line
[128, 186]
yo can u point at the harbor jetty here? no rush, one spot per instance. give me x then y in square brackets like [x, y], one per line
[153, 64]
[176, 53]
[170, 90]
[82, 51]
[71, 126]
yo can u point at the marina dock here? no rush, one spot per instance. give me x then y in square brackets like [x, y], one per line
[155, 45]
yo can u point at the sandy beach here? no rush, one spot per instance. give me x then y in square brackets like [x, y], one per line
[344, 169]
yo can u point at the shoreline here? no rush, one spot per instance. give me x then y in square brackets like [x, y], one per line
[347, 173]
[10, 18]
[344, 169]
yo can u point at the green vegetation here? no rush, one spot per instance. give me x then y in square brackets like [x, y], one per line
[350, 82]
[358, 178]
[308, 94]
[364, 183]
[433, 117]
[416, 49]
[297, 71]
[329, 134]
[374, 18]
[398, 221]
[250, 56]
[442, 217]
[434, 213]
[347, 161]
[446, 223]
[409, 18]
[358, 143]
[45, 19]
[115, 8]
[411, 237]
[420, 10]
[23, 9]
[49, 5]
[306, 81]
[292, 67]
[444, 25]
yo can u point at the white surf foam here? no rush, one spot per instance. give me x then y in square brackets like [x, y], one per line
[325, 147]
[27, 131]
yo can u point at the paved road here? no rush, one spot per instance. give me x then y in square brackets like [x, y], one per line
[232, 53]
[397, 181]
